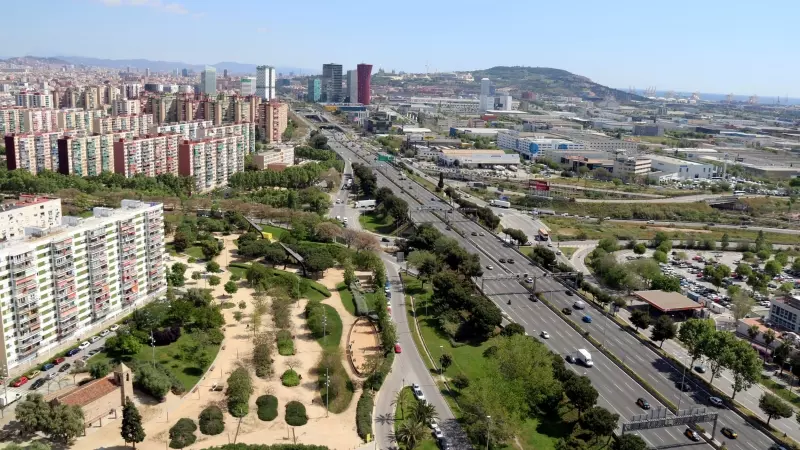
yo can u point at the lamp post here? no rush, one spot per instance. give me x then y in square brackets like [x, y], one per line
[441, 353]
[680, 391]
[487, 431]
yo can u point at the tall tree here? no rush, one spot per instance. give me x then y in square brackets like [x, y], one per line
[774, 408]
[411, 433]
[600, 421]
[630, 442]
[742, 304]
[664, 329]
[425, 262]
[694, 335]
[132, 430]
[640, 318]
[752, 332]
[718, 351]
[745, 365]
[581, 393]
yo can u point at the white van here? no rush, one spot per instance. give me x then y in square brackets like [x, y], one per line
[579, 304]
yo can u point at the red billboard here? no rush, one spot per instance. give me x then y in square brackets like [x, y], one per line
[540, 185]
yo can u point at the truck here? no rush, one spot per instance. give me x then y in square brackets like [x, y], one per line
[584, 357]
[500, 203]
[543, 235]
[693, 295]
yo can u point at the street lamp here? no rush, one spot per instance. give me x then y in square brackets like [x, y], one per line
[441, 367]
[683, 380]
[487, 431]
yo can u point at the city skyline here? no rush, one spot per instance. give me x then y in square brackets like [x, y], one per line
[633, 47]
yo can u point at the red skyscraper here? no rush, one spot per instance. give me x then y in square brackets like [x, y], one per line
[364, 73]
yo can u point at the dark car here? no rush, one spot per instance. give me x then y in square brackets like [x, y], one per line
[729, 433]
[38, 383]
[501, 260]
[510, 261]
[474, 233]
[73, 352]
[47, 367]
[569, 293]
[642, 403]
[566, 311]
[685, 387]
[65, 367]
[533, 298]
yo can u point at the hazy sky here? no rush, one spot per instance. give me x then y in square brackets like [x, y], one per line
[701, 45]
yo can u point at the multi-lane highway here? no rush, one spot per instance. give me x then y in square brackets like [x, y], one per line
[618, 391]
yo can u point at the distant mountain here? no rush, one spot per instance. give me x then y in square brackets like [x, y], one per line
[547, 81]
[34, 60]
[156, 66]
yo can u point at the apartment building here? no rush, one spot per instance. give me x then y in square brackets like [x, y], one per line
[148, 155]
[211, 161]
[35, 100]
[59, 282]
[245, 129]
[138, 123]
[272, 121]
[11, 120]
[34, 152]
[784, 312]
[88, 155]
[188, 130]
[282, 156]
[28, 211]
[39, 120]
[78, 119]
[126, 107]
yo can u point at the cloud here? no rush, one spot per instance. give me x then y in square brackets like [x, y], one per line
[171, 8]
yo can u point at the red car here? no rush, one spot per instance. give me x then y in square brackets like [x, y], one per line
[19, 382]
[58, 361]
[397, 348]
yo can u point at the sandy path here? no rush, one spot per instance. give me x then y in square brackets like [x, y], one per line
[336, 431]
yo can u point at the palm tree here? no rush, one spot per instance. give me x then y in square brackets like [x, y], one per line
[398, 401]
[411, 434]
[769, 338]
[753, 332]
[424, 413]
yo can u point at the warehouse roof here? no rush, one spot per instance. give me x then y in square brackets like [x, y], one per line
[667, 301]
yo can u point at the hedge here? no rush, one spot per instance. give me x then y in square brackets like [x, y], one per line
[269, 447]
[267, 407]
[211, 421]
[364, 414]
[296, 414]
[290, 378]
[305, 283]
[285, 343]
[240, 386]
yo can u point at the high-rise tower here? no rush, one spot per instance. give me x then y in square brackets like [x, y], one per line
[265, 82]
[364, 77]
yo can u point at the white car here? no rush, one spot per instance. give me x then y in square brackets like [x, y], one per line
[418, 392]
[716, 401]
[338, 200]
[558, 252]
[344, 220]
[114, 327]
[544, 335]
[94, 339]
[83, 345]
[105, 333]
[437, 433]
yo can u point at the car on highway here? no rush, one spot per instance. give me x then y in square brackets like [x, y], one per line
[651, 222]
[74, 351]
[510, 261]
[501, 260]
[533, 298]
[558, 252]
[691, 434]
[418, 394]
[398, 348]
[481, 234]
[474, 233]
[37, 384]
[19, 381]
[544, 335]
[642, 403]
[490, 267]
[716, 401]
[549, 244]
[529, 280]
[65, 367]
[566, 311]
[114, 327]
[587, 319]
[569, 293]
[729, 433]
[685, 387]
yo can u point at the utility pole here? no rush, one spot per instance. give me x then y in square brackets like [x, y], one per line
[153, 345]
[324, 326]
[327, 393]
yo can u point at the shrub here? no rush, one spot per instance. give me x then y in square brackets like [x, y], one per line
[99, 369]
[153, 381]
[215, 336]
[267, 407]
[296, 414]
[182, 433]
[262, 357]
[166, 336]
[212, 421]
[285, 343]
[240, 386]
[290, 378]
[364, 414]
[377, 377]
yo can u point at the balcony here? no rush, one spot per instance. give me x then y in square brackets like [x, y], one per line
[67, 328]
[62, 261]
[64, 282]
[126, 228]
[24, 289]
[97, 233]
[23, 281]
[68, 313]
[97, 253]
[98, 263]
[62, 245]
[95, 243]
[64, 273]
[20, 272]
[25, 303]
[101, 298]
[24, 352]
[128, 299]
[28, 331]
[23, 260]
[128, 262]
[62, 252]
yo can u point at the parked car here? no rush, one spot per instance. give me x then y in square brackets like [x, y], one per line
[105, 333]
[58, 361]
[65, 367]
[114, 327]
[37, 384]
[19, 381]
[418, 392]
[83, 345]
[73, 352]
[34, 374]
[47, 367]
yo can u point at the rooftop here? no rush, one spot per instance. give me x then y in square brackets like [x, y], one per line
[89, 392]
[667, 301]
[671, 160]
[24, 200]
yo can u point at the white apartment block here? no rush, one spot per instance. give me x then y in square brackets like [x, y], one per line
[448, 105]
[28, 211]
[39, 120]
[132, 90]
[11, 120]
[78, 119]
[126, 107]
[212, 161]
[148, 155]
[244, 129]
[187, 130]
[247, 86]
[138, 123]
[35, 100]
[57, 283]
[277, 156]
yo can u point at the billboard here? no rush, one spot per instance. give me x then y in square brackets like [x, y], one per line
[539, 185]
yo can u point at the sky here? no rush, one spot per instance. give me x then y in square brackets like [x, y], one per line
[706, 46]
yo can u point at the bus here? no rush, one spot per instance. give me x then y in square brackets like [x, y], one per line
[738, 193]
[543, 235]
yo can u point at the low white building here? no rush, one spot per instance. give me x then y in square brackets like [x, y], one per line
[681, 169]
[530, 146]
[478, 158]
[784, 312]
[630, 165]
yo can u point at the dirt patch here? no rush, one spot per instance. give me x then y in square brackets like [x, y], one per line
[364, 345]
[684, 230]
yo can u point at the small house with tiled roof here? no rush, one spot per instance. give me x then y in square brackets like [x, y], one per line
[102, 397]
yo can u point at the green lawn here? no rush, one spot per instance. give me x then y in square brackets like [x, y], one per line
[333, 330]
[276, 232]
[194, 251]
[402, 414]
[239, 269]
[347, 298]
[568, 251]
[376, 224]
[185, 371]
[781, 391]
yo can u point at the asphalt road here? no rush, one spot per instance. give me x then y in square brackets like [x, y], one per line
[618, 391]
